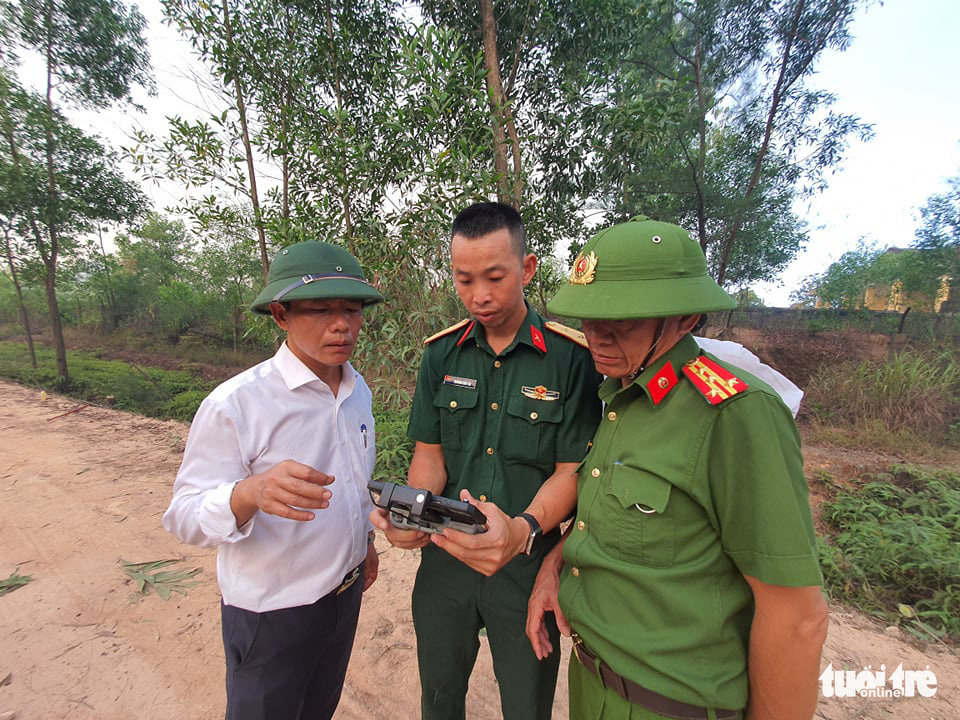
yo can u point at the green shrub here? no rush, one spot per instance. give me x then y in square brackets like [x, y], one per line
[169, 394]
[394, 448]
[894, 549]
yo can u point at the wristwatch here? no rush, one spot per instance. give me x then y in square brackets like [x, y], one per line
[535, 531]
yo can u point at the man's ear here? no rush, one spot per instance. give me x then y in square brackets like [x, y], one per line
[529, 265]
[687, 323]
[279, 314]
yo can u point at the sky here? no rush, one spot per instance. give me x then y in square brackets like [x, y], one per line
[899, 73]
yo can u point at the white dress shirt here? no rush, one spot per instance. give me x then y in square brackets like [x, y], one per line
[275, 411]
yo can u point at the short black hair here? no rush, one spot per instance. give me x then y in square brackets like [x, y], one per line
[484, 218]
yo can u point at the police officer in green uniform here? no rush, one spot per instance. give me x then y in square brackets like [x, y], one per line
[689, 577]
[504, 408]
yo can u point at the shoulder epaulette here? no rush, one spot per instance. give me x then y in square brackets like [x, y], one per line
[446, 331]
[712, 380]
[568, 332]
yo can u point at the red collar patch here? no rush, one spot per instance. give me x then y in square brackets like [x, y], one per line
[538, 340]
[662, 383]
[465, 333]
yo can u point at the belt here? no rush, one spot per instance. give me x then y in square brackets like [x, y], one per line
[350, 578]
[631, 692]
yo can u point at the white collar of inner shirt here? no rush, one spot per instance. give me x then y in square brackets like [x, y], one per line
[295, 373]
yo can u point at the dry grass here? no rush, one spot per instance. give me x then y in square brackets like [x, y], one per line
[909, 398]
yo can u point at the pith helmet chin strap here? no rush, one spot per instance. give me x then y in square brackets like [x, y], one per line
[658, 335]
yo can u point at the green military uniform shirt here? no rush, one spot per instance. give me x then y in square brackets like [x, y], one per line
[678, 499]
[505, 420]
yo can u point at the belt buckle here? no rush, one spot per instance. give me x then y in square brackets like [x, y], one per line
[350, 579]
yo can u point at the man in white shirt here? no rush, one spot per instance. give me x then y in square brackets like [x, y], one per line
[274, 474]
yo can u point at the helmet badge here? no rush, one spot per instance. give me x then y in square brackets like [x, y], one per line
[584, 269]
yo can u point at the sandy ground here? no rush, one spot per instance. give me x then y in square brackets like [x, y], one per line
[82, 491]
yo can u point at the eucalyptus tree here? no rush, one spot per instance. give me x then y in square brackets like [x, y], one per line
[713, 123]
[93, 52]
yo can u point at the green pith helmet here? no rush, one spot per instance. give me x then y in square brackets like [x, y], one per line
[639, 269]
[313, 271]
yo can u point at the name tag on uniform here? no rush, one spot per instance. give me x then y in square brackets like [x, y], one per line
[539, 392]
[462, 382]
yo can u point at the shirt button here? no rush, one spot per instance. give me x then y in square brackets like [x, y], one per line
[483, 498]
[581, 526]
[496, 363]
[494, 406]
[453, 403]
[612, 416]
[595, 472]
[575, 572]
[489, 451]
[534, 416]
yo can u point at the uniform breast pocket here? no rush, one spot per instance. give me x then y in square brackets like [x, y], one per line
[645, 532]
[453, 404]
[532, 430]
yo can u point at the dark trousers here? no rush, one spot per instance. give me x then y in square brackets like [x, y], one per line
[289, 664]
[451, 603]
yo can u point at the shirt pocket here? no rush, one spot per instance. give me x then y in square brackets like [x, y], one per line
[644, 523]
[452, 404]
[531, 432]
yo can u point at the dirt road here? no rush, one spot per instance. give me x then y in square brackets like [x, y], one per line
[82, 491]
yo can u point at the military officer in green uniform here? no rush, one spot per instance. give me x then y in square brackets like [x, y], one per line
[689, 577]
[504, 408]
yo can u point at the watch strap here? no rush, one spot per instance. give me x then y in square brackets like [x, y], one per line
[535, 531]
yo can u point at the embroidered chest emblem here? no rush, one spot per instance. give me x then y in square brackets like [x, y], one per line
[540, 392]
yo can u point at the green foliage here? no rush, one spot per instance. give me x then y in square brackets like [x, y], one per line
[915, 394]
[894, 549]
[14, 581]
[394, 448]
[149, 575]
[149, 391]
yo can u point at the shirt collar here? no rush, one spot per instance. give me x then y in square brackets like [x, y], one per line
[295, 373]
[530, 333]
[685, 349]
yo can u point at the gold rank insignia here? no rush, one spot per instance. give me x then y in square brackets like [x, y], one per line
[714, 381]
[568, 332]
[539, 392]
[584, 269]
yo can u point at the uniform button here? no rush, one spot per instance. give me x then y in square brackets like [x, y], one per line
[663, 383]
[575, 571]
[494, 406]
[581, 526]
[496, 363]
[612, 416]
[595, 472]
[483, 498]
[489, 451]
[453, 403]
[534, 416]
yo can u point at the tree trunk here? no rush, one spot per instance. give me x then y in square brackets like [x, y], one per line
[24, 316]
[247, 148]
[50, 257]
[345, 190]
[778, 93]
[50, 285]
[509, 184]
